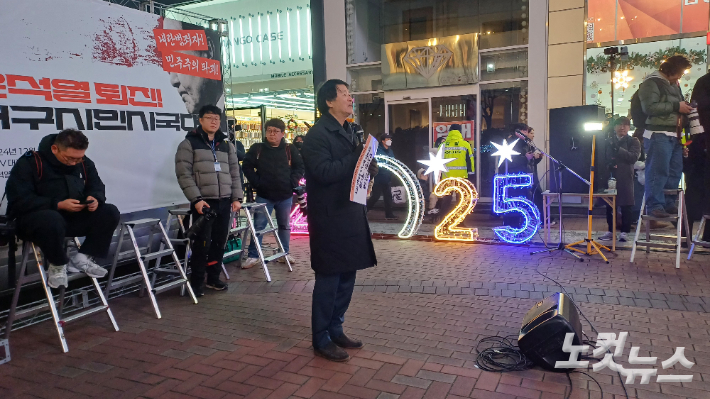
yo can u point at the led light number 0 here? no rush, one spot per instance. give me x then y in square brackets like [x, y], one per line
[449, 228]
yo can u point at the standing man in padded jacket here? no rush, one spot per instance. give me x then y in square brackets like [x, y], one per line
[207, 170]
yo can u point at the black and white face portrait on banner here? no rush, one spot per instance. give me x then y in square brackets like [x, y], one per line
[196, 91]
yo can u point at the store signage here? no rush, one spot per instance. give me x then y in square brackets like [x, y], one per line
[267, 39]
[428, 60]
[441, 129]
[451, 60]
[291, 74]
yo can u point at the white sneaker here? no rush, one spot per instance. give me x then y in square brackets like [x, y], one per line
[623, 237]
[433, 211]
[250, 262]
[57, 276]
[607, 236]
[283, 259]
[81, 263]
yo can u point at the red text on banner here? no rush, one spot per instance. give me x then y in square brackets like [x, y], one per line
[170, 40]
[191, 65]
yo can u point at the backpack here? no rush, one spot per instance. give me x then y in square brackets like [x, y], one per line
[638, 117]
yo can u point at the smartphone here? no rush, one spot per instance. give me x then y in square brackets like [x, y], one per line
[85, 202]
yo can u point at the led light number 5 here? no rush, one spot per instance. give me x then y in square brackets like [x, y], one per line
[449, 228]
[504, 203]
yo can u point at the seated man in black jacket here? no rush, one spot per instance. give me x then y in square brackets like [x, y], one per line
[274, 169]
[55, 193]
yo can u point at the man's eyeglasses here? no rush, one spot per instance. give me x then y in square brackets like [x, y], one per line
[273, 131]
[212, 118]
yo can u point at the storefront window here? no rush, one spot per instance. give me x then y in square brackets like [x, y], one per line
[502, 105]
[612, 20]
[371, 23]
[409, 126]
[370, 112]
[644, 59]
[365, 79]
[504, 65]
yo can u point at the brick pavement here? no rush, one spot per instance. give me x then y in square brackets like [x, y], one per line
[420, 312]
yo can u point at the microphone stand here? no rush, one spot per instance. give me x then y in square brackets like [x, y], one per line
[558, 169]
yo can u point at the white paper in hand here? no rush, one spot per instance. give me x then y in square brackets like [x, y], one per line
[361, 178]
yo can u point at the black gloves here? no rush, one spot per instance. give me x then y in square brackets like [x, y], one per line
[373, 169]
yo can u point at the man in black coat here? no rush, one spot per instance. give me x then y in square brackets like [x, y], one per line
[697, 164]
[339, 233]
[274, 169]
[56, 193]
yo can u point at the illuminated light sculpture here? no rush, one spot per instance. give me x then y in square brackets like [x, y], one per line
[415, 196]
[502, 203]
[415, 199]
[437, 164]
[299, 223]
[505, 151]
[449, 229]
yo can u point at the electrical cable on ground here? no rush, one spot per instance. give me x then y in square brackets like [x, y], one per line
[621, 380]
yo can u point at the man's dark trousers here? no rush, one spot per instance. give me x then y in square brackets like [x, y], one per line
[381, 188]
[208, 246]
[48, 229]
[331, 297]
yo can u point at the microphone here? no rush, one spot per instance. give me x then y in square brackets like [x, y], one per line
[359, 132]
[523, 137]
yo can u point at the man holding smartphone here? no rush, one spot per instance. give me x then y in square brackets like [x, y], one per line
[56, 192]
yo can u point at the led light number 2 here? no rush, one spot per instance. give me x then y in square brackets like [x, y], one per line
[449, 228]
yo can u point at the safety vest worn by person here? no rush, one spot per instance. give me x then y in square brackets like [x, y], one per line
[459, 149]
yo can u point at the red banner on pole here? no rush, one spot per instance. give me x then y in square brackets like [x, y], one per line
[191, 65]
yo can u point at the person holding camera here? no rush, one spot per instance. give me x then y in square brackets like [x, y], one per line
[207, 170]
[622, 152]
[340, 238]
[56, 192]
[663, 102]
[274, 168]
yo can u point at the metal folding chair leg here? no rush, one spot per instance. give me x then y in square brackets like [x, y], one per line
[56, 311]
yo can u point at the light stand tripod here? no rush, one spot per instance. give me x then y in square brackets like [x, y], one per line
[593, 248]
[559, 167]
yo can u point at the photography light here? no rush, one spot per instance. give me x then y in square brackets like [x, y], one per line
[593, 126]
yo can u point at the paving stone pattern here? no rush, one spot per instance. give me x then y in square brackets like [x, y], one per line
[421, 312]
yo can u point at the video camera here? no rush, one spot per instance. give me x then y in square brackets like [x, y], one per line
[300, 192]
[201, 222]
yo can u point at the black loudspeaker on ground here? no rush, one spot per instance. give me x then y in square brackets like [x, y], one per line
[544, 329]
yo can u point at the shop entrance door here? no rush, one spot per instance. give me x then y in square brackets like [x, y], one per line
[410, 129]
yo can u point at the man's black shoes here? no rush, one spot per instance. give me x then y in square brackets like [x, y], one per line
[332, 352]
[217, 285]
[344, 342]
[198, 290]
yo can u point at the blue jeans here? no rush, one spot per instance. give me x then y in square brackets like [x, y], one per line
[283, 220]
[664, 168]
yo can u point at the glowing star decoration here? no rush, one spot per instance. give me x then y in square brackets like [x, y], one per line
[621, 80]
[503, 203]
[505, 151]
[415, 196]
[449, 229]
[436, 164]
